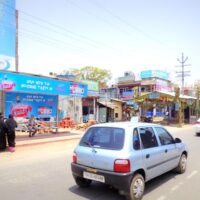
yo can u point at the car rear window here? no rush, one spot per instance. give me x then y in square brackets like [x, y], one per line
[104, 137]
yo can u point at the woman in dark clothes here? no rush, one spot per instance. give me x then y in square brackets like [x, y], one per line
[2, 133]
[11, 124]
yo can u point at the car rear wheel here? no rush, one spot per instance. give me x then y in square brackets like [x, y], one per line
[182, 164]
[136, 188]
[82, 182]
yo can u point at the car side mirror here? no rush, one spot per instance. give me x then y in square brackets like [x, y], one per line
[177, 140]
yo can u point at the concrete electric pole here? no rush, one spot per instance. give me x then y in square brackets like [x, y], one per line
[182, 74]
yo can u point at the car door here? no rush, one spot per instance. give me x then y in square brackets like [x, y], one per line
[151, 152]
[168, 146]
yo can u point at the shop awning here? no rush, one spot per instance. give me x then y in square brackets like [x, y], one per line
[158, 94]
[107, 104]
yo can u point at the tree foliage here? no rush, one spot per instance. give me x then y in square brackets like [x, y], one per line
[92, 73]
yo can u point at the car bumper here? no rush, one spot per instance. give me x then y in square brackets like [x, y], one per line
[120, 181]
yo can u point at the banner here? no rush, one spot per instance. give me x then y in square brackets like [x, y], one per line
[36, 84]
[93, 87]
[77, 89]
[7, 34]
[25, 105]
[127, 95]
[154, 74]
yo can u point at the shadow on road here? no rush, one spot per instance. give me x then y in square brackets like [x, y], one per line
[104, 192]
[158, 181]
[97, 191]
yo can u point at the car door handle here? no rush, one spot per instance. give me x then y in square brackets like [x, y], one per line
[148, 156]
[166, 150]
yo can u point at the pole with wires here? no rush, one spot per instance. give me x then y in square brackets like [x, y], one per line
[182, 74]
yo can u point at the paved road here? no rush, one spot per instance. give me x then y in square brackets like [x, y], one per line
[43, 172]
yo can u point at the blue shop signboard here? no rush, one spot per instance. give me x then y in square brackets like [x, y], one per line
[146, 74]
[154, 95]
[35, 84]
[25, 105]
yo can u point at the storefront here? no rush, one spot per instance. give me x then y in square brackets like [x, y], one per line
[110, 110]
[24, 95]
[90, 102]
[155, 105]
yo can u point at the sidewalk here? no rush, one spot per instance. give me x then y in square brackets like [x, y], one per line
[22, 138]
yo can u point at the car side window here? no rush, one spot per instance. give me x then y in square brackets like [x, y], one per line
[164, 137]
[148, 137]
[136, 139]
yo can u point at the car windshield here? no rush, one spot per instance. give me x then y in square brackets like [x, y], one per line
[104, 137]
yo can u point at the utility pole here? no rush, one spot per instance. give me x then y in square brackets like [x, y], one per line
[16, 47]
[179, 107]
[182, 73]
[197, 101]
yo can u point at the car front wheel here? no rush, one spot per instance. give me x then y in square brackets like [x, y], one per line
[182, 164]
[82, 182]
[136, 188]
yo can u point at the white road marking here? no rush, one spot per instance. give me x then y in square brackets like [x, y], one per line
[192, 174]
[162, 198]
[176, 186]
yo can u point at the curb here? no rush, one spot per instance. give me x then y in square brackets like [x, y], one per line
[47, 140]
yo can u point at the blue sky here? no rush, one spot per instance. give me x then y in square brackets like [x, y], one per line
[118, 35]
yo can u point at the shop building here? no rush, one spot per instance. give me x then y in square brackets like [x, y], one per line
[89, 103]
[110, 110]
[156, 104]
[155, 80]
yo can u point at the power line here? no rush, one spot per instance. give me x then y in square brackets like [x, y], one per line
[59, 27]
[52, 39]
[45, 39]
[73, 34]
[98, 17]
[42, 41]
[125, 22]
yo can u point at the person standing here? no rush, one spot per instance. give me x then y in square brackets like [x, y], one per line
[11, 124]
[2, 133]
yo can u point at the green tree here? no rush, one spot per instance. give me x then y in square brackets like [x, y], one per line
[92, 73]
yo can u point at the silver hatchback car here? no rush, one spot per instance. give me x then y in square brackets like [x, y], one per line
[126, 155]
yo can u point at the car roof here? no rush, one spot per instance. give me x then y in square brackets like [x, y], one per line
[126, 124]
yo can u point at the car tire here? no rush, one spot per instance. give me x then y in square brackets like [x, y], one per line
[182, 164]
[82, 182]
[137, 187]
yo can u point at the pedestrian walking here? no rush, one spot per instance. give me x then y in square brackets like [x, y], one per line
[2, 133]
[167, 117]
[32, 126]
[11, 124]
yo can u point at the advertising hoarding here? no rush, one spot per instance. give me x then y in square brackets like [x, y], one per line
[36, 84]
[154, 74]
[127, 95]
[7, 34]
[93, 87]
[25, 105]
[162, 85]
